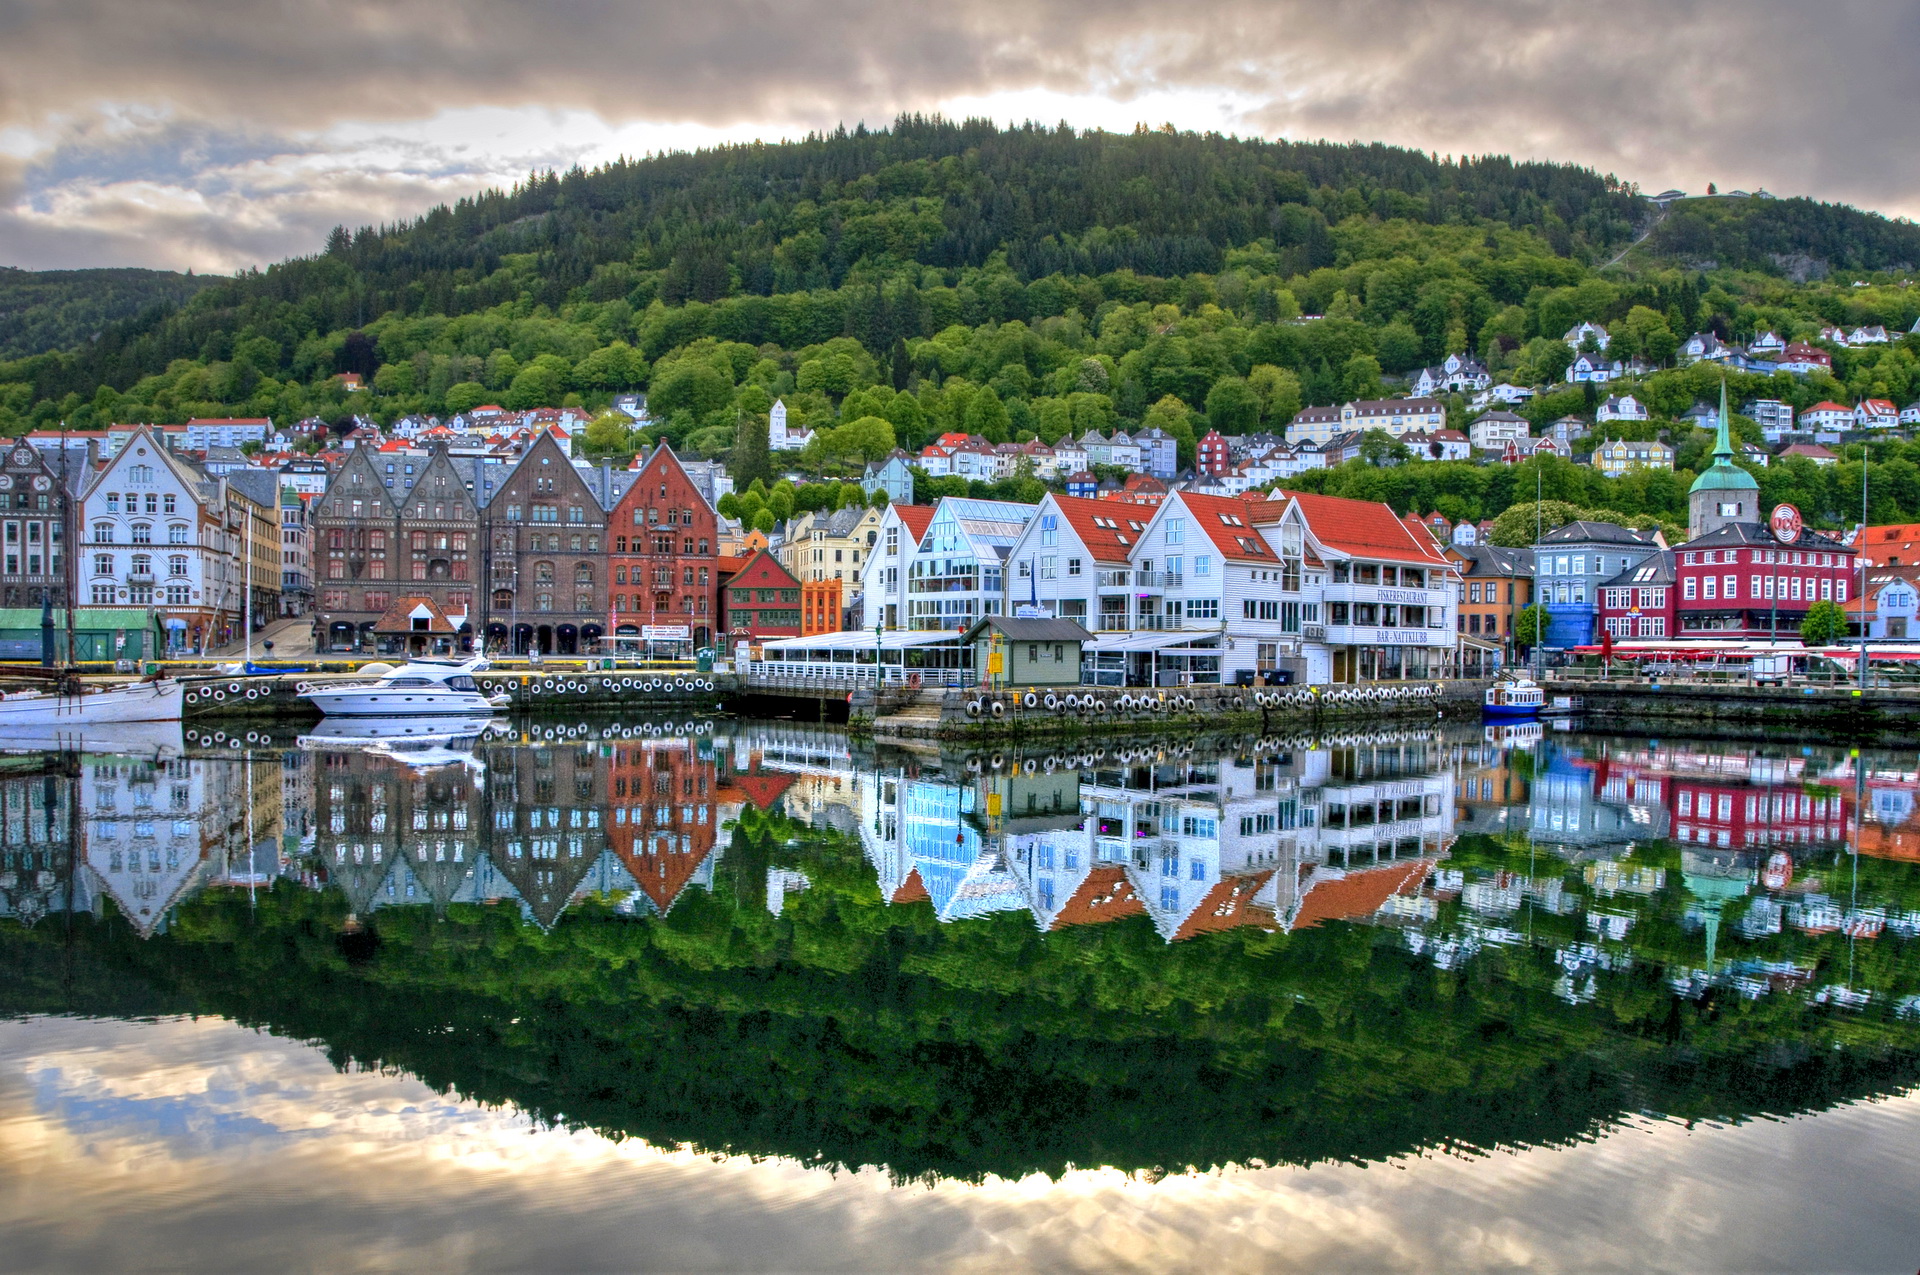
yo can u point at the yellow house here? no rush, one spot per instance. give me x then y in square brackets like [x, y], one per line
[1621, 456]
[831, 545]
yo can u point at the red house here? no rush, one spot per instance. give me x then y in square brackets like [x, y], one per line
[1213, 456]
[761, 600]
[664, 542]
[1639, 602]
[1732, 582]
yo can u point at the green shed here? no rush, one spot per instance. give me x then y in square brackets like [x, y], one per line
[99, 633]
[1009, 651]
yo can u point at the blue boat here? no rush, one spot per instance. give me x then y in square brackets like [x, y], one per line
[1513, 699]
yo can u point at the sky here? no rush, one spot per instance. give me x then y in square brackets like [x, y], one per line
[216, 136]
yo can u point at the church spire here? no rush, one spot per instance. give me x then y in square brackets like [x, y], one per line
[1723, 441]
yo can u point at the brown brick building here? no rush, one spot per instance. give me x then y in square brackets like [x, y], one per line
[391, 524]
[546, 556]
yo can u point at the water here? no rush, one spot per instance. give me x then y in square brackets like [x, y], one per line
[726, 996]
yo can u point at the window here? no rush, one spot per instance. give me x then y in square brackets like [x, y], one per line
[1073, 566]
[177, 533]
[1203, 608]
[177, 564]
[1711, 587]
[1203, 564]
[1176, 531]
[1687, 588]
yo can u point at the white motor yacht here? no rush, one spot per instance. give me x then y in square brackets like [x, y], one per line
[421, 688]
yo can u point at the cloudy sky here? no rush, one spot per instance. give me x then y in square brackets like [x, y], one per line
[216, 134]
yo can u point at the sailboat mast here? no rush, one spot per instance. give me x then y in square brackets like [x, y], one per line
[69, 526]
[246, 580]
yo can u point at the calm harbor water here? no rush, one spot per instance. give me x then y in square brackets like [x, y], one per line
[718, 995]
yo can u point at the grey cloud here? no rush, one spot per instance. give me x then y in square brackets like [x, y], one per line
[231, 99]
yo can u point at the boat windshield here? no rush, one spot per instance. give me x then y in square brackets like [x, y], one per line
[462, 683]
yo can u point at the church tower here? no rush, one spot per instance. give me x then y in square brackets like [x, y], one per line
[777, 426]
[1723, 493]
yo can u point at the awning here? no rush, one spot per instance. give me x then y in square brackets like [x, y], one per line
[1125, 642]
[858, 640]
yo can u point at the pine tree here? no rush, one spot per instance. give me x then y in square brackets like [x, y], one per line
[750, 456]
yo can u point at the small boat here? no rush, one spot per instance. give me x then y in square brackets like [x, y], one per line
[31, 712]
[420, 688]
[1514, 697]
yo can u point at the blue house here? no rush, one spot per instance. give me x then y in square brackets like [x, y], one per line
[891, 476]
[1570, 564]
[1083, 485]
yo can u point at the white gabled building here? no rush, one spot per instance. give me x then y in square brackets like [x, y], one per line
[1334, 590]
[158, 535]
[956, 574]
[1622, 407]
[1074, 561]
[883, 579]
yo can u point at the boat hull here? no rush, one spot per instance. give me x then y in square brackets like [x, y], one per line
[400, 703]
[1509, 712]
[141, 702]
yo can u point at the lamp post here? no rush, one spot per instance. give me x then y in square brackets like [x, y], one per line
[1860, 553]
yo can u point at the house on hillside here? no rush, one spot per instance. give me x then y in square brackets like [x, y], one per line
[1494, 431]
[1597, 368]
[1620, 456]
[1622, 407]
[1580, 333]
[1876, 413]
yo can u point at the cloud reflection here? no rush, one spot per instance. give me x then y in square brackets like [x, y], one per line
[135, 1145]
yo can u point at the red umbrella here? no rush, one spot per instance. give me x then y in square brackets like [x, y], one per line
[1606, 647]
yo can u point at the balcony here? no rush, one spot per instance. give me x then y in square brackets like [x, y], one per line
[1385, 593]
[1111, 579]
[1158, 579]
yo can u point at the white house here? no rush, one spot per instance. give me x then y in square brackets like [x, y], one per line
[883, 577]
[1069, 457]
[1767, 345]
[1876, 413]
[1457, 373]
[1578, 334]
[1492, 432]
[1774, 417]
[1874, 335]
[1704, 345]
[1827, 415]
[1591, 367]
[1440, 444]
[779, 437]
[1340, 590]
[1073, 561]
[1123, 451]
[1622, 407]
[230, 432]
[1506, 394]
[1910, 414]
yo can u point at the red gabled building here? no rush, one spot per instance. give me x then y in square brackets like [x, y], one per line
[1213, 455]
[761, 600]
[664, 542]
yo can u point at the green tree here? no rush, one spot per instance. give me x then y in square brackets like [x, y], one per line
[1826, 624]
[764, 521]
[608, 435]
[1514, 528]
[1279, 392]
[752, 462]
[728, 505]
[1530, 626]
[465, 396]
[987, 417]
[1232, 406]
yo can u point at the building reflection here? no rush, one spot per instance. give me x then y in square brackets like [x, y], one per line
[1728, 865]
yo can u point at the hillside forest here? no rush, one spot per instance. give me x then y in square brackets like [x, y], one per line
[896, 284]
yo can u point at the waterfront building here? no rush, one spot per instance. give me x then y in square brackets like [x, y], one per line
[883, 578]
[957, 572]
[548, 577]
[1570, 565]
[663, 555]
[1496, 584]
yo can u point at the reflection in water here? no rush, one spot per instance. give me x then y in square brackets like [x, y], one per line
[761, 938]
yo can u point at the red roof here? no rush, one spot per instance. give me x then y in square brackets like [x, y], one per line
[1106, 895]
[1230, 523]
[1108, 533]
[1359, 894]
[912, 890]
[764, 789]
[1228, 906]
[228, 420]
[1828, 405]
[1366, 529]
[916, 519]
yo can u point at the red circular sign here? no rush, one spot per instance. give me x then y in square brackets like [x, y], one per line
[1785, 524]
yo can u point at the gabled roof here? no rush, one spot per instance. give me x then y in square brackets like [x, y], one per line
[914, 518]
[1354, 895]
[1755, 533]
[1231, 524]
[400, 617]
[1029, 630]
[1108, 535]
[1106, 894]
[1494, 560]
[1228, 906]
[1364, 529]
[1581, 531]
[1654, 569]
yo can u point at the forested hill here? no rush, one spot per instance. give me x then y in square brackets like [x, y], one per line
[872, 205]
[45, 310]
[1795, 237]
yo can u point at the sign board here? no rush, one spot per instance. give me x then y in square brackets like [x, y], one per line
[666, 632]
[1028, 611]
[995, 663]
[1785, 524]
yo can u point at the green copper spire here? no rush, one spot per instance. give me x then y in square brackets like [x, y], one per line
[1723, 443]
[1723, 474]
